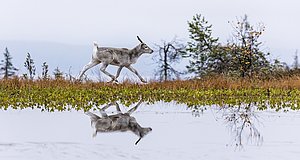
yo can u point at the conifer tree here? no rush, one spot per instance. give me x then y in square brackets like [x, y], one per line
[29, 64]
[6, 67]
[57, 73]
[45, 71]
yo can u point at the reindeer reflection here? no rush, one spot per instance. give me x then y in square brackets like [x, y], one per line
[117, 122]
[238, 119]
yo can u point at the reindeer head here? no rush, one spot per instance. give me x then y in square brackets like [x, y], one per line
[137, 129]
[143, 132]
[143, 47]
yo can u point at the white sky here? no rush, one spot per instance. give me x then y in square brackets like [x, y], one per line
[117, 22]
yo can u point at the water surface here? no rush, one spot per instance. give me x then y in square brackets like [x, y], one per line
[178, 133]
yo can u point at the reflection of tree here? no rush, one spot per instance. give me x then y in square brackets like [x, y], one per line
[240, 119]
[241, 122]
[198, 110]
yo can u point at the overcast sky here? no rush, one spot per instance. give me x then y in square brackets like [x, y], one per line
[117, 22]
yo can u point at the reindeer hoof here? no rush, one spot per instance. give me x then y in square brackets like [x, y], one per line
[143, 81]
[115, 81]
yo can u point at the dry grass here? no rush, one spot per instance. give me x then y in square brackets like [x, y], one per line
[62, 94]
[202, 84]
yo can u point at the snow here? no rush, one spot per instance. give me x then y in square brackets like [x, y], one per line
[177, 134]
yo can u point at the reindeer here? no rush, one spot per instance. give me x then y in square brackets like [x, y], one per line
[118, 122]
[121, 57]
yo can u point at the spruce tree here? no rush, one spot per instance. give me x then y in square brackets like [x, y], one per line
[7, 69]
[58, 74]
[45, 71]
[201, 48]
[29, 64]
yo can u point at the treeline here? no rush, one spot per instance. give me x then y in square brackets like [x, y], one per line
[242, 55]
[8, 70]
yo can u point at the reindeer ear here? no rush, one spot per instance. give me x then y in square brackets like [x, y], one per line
[139, 39]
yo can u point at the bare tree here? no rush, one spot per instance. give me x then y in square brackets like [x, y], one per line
[168, 54]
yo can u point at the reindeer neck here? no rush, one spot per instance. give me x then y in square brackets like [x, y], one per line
[135, 51]
[135, 128]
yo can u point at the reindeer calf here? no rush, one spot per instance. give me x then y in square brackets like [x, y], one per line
[121, 57]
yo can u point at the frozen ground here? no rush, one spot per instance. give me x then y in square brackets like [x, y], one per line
[177, 134]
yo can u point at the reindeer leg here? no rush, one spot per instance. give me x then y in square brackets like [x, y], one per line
[118, 108]
[118, 72]
[103, 67]
[134, 108]
[135, 72]
[86, 67]
[102, 110]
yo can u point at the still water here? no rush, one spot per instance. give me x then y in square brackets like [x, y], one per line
[177, 132]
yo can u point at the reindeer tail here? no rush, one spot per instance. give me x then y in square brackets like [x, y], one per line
[95, 44]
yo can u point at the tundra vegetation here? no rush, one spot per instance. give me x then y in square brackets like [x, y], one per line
[233, 74]
[51, 95]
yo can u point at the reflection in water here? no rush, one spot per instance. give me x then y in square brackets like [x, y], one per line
[241, 121]
[177, 134]
[117, 122]
[197, 111]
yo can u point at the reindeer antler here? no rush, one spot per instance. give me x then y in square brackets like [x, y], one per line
[138, 141]
[139, 39]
